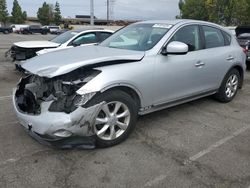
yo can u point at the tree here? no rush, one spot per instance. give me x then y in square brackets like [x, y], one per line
[45, 14]
[193, 9]
[57, 14]
[240, 12]
[225, 12]
[228, 12]
[3, 12]
[180, 4]
[17, 14]
[24, 15]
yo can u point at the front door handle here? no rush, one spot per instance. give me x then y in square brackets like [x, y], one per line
[230, 58]
[199, 64]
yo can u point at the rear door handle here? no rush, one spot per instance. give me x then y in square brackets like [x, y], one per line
[199, 64]
[230, 58]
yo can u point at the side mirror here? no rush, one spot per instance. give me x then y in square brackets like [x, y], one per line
[75, 44]
[175, 48]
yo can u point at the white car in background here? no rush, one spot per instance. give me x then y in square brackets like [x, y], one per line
[53, 29]
[78, 38]
[25, 50]
[17, 28]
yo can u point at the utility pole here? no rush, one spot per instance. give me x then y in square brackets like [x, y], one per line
[92, 12]
[107, 12]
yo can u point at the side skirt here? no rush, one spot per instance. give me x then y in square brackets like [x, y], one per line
[158, 107]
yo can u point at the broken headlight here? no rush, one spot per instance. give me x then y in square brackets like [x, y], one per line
[81, 100]
[70, 103]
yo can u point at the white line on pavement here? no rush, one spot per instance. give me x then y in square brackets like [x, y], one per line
[5, 97]
[218, 144]
[155, 181]
[12, 122]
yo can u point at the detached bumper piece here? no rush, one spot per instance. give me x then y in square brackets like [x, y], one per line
[76, 142]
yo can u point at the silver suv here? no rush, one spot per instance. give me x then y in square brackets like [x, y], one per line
[91, 96]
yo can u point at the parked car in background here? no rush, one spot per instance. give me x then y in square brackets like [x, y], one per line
[92, 95]
[53, 29]
[5, 30]
[243, 37]
[28, 49]
[61, 31]
[78, 38]
[32, 29]
[17, 28]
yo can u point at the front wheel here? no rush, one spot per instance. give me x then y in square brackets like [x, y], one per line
[116, 119]
[229, 86]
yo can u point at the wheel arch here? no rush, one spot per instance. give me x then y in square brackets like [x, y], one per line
[130, 90]
[241, 71]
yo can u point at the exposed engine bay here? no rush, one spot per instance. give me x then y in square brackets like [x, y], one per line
[33, 90]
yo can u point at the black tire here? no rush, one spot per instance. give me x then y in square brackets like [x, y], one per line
[248, 65]
[221, 94]
[120, 96]
[17, 67]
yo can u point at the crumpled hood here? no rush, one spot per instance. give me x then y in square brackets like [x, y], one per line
[37, 44]
[64, 61]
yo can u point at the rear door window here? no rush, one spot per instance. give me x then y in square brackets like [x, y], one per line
[213, 37]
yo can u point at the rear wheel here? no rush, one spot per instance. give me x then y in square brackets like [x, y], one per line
[229, 86]
[116, 119]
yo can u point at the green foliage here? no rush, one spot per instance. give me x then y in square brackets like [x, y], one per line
[193, 9]
[17, 14]
[3, 11]
[226, 12]
[45, 14]
[24, 15]
[57, 14]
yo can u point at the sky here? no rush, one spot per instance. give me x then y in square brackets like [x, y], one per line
[121, 9]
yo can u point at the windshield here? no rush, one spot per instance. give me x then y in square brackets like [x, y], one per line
[64, 37]
[139, 37]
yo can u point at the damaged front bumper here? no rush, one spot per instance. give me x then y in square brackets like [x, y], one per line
[20, 54]
[58, 128]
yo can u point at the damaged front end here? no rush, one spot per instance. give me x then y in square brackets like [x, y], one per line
[19, 53]
[53, 112]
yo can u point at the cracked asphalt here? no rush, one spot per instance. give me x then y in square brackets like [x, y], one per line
[199, 144]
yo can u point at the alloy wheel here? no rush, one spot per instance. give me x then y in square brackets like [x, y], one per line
[112, 120]
[232, 86]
